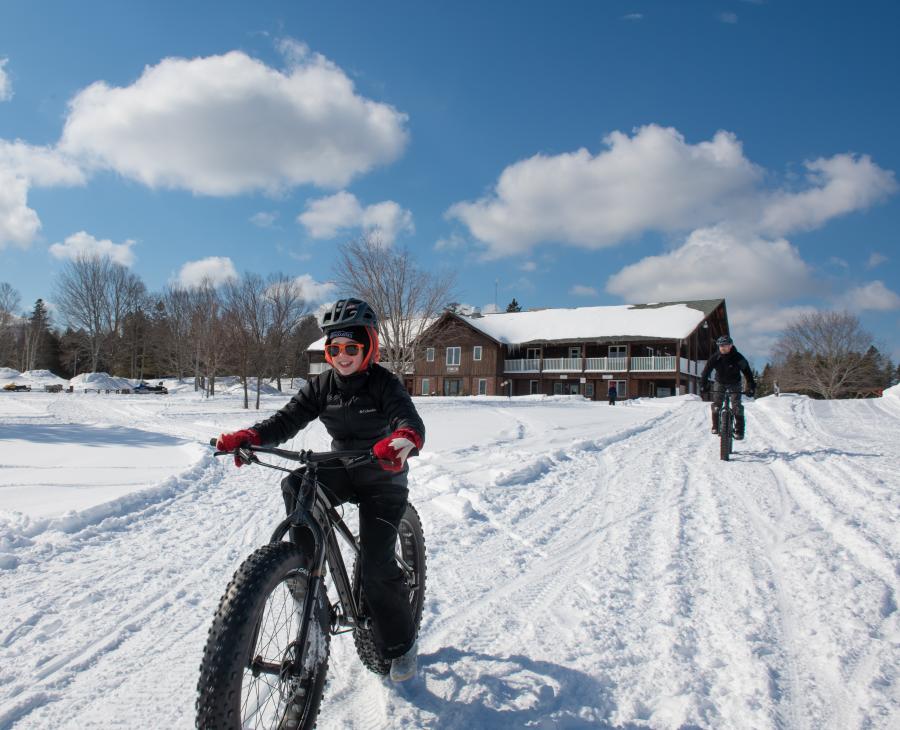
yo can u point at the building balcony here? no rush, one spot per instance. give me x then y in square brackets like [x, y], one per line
[607, 364]
[563, 364]
[663, 364]
[521, 366]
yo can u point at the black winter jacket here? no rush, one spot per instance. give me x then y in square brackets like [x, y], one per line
[356, 411]
[728, 369]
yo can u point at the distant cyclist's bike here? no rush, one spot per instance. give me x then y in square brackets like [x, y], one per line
[266, 654]
[726, 418]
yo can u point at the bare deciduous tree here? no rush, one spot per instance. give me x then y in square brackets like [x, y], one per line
[406, 297]
[95, 294]
[825, 354]
[9, 304]
[287, 307]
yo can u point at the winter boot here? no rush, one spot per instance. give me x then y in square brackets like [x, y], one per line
[404, 667]
[715, 424]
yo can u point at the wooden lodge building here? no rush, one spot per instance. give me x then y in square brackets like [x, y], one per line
[647, 350]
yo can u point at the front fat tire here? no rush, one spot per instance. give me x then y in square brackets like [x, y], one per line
[725, 436]
[263, 588]
[411, 543]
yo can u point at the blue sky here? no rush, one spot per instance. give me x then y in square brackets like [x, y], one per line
[568, 154]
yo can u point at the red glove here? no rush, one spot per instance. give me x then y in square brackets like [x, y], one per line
[392, 451]
[232, 441]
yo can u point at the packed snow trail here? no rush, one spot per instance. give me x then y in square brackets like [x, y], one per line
[588, 567]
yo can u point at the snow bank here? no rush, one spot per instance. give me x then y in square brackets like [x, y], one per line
[9, 373]
[893, 392]
[100, 381]
[43, 377]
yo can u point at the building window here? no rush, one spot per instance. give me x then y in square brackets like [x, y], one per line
[453, 355]
[533, 353]
[476, 352]
[426, 386]
[429, 354]
[557, 387]
[574, 352]
[618, 350]
[482, 386]
[533, 387]
[589, 389]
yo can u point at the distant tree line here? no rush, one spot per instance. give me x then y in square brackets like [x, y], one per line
[257, 328]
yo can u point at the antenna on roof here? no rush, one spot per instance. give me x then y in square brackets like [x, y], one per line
[496, 282]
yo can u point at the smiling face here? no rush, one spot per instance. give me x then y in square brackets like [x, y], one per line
[347, 364]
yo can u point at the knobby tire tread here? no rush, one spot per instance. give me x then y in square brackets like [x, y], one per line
[227, 646]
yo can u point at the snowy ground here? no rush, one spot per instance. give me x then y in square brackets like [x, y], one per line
[588, 566]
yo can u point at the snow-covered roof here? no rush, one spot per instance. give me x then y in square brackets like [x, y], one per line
[668, 320]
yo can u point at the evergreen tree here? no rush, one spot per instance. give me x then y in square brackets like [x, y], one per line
[38, 343]
[513, 306]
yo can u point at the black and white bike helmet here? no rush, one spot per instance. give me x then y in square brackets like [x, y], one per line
[724, 340]
[349, 313]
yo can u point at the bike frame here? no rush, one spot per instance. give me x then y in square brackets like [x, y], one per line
[315, 512]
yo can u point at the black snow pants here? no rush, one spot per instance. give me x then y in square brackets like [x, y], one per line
[381, 497]
[718, 398]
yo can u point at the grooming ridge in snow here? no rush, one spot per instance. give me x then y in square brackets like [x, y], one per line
[588, 566]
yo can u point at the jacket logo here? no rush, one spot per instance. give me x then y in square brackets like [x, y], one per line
[368, 410]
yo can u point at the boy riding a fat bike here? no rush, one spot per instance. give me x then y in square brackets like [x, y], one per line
[362, 406]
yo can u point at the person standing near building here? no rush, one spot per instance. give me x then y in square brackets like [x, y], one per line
[612, 392]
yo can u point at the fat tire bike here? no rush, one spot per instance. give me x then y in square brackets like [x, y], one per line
[266, 655]
[727, 418]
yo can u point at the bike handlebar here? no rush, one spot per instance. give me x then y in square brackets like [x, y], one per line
[356, 457]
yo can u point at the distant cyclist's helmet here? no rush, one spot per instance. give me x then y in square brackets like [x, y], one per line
[344, 318]
[724, 340]
[349, 313]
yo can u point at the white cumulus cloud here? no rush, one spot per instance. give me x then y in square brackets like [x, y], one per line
[215, 270]
[876, 259]
[328, 216]
[838, 185]
[6, 92]
[264, 219]
[19, 224]
[654, 180]
[312, 290]
[716, 262]
[23, 166]
[84, 244]
[228, 124]
[580, 290]
[651, 180]
[874, 296]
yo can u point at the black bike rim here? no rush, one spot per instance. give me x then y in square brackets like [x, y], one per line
[269, 700]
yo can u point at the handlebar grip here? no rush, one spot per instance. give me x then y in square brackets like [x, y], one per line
[213, 441]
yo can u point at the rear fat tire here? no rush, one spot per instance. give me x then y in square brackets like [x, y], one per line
[223, 690]
[412, 547]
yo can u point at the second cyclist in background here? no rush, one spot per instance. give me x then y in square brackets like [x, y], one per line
[728, 365]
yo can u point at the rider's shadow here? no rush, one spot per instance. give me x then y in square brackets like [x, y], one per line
[510, 692]
[769, 455]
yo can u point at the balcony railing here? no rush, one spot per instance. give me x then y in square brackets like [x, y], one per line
[607, 364]
[563, 364]
[658, 364]
[653, 364]
[522, 366]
